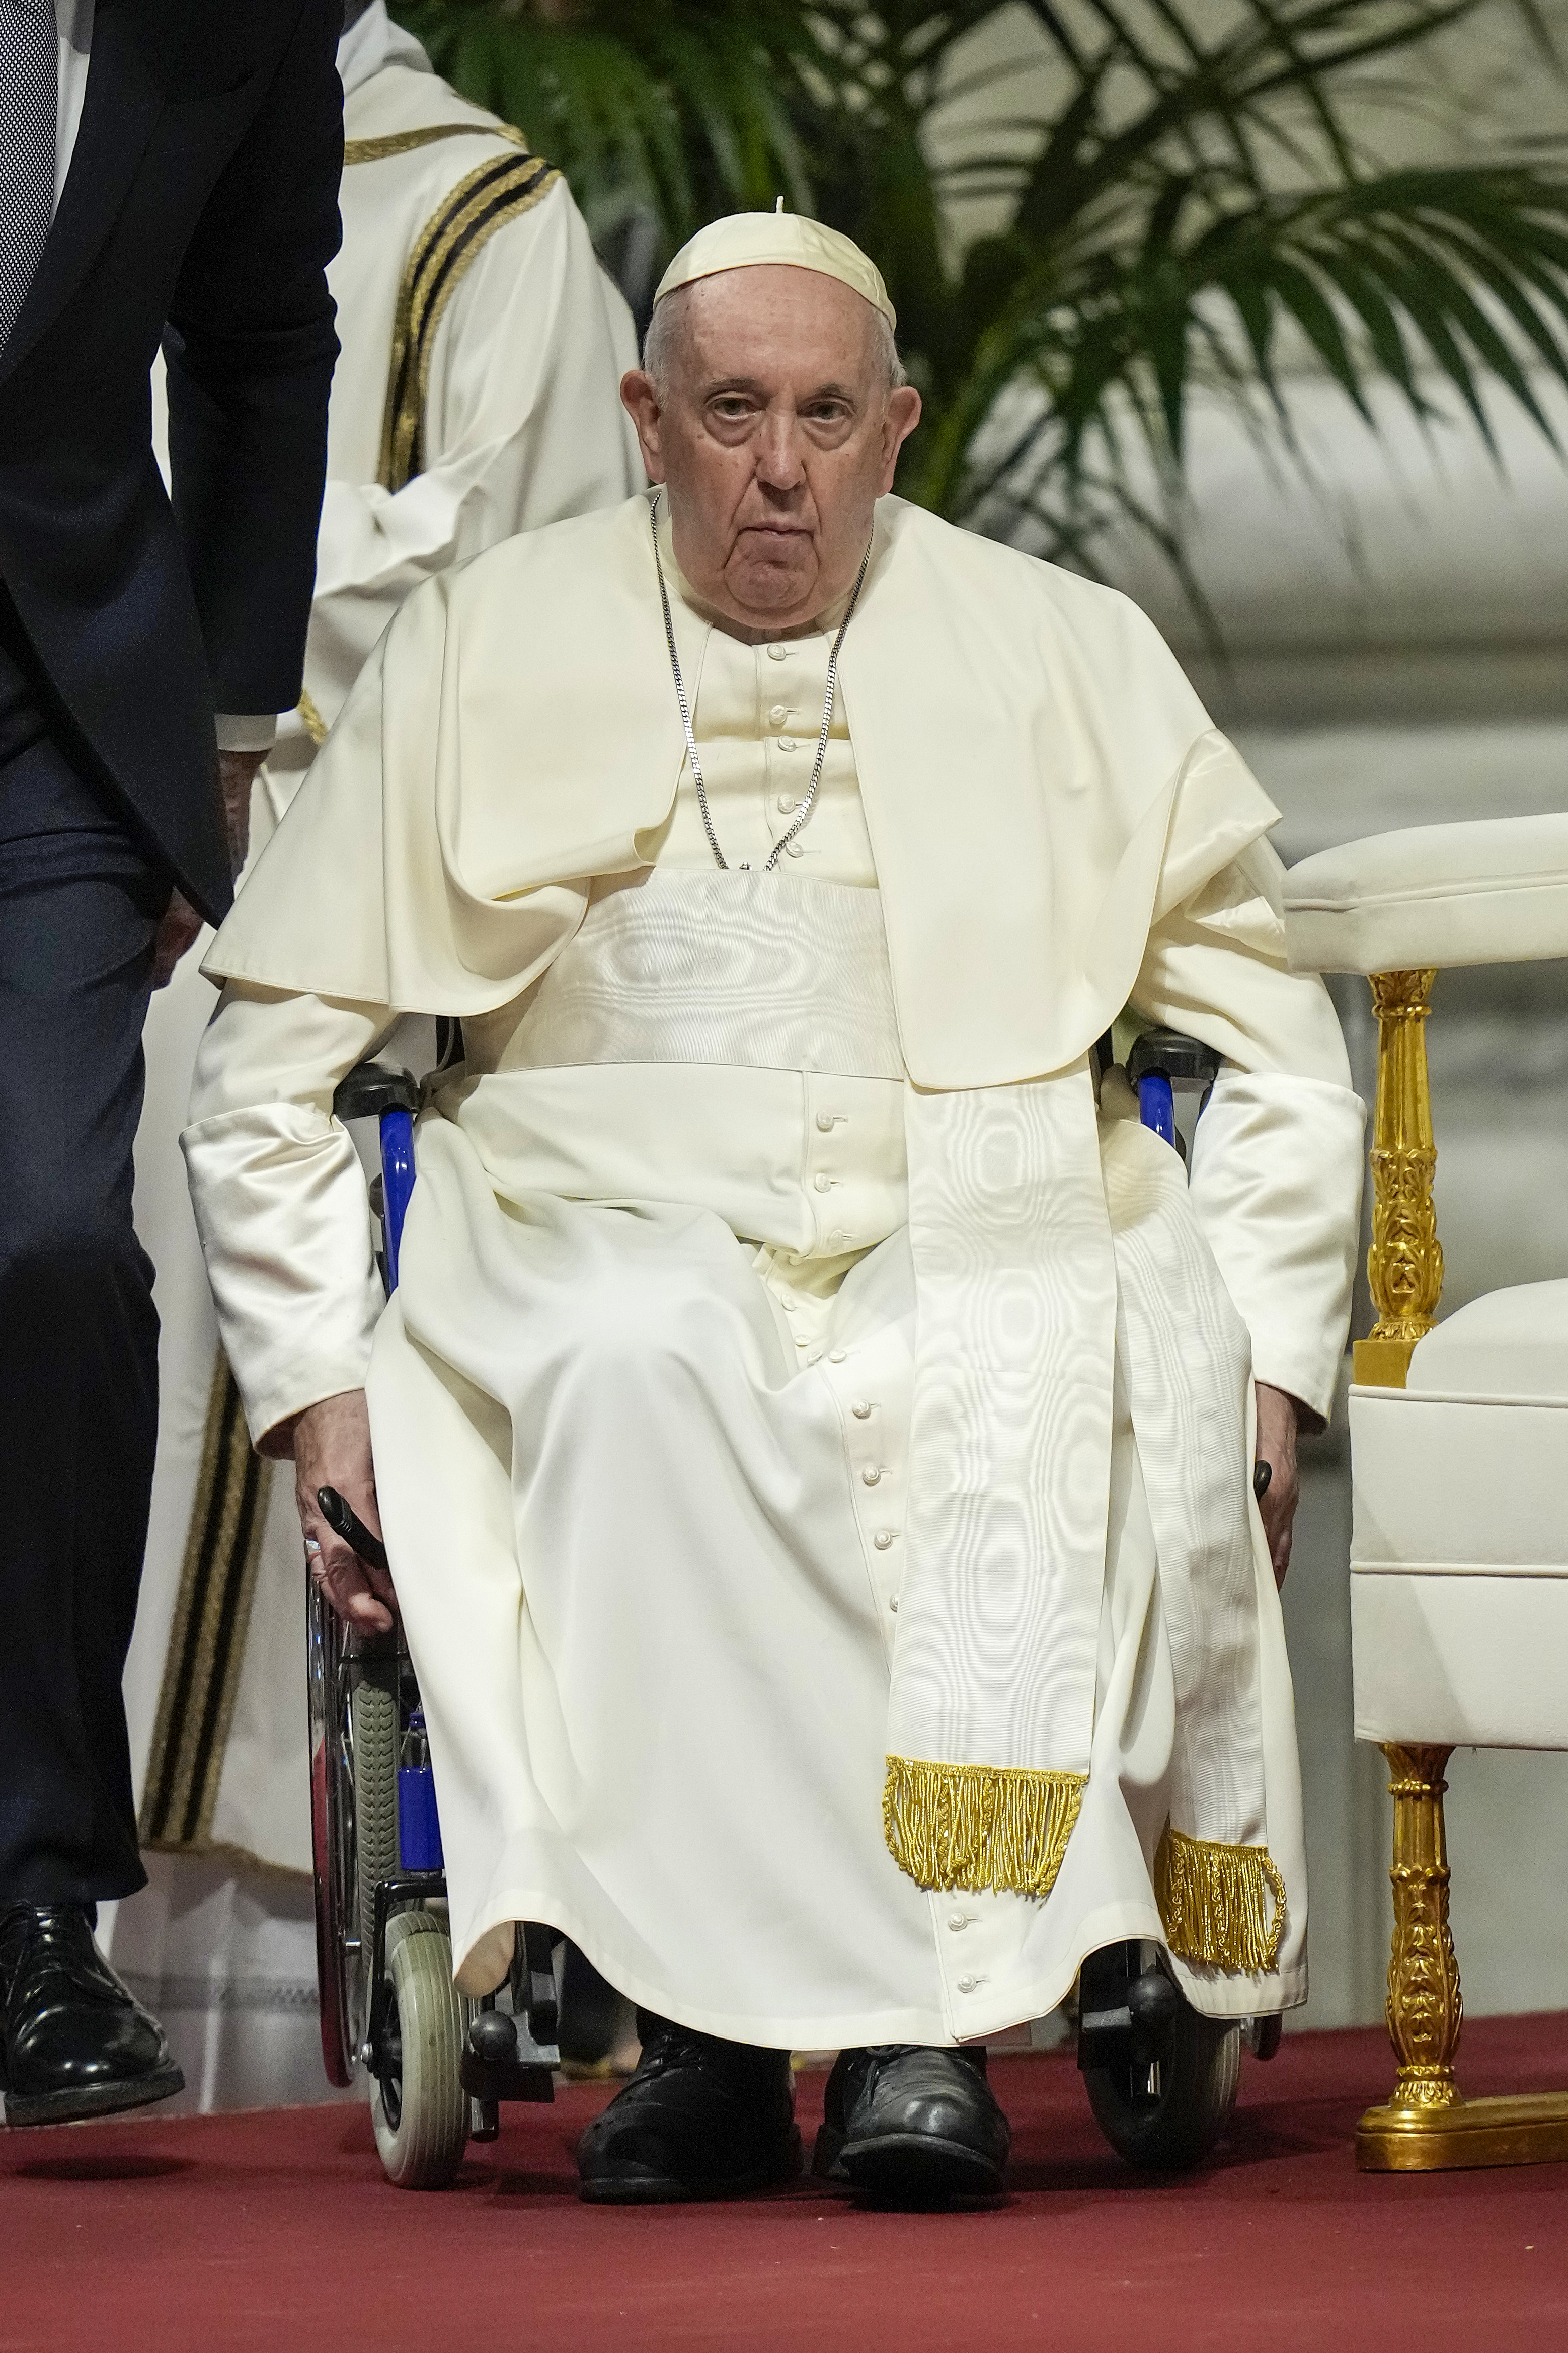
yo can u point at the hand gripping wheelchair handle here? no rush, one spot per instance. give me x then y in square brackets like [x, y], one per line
[345, 1521]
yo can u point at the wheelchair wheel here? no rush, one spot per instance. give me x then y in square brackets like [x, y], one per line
[417, 2104]
[374, 1715]
[1165, 2114]
[338, 1975]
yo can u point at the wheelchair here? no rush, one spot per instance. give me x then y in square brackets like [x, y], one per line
[437, 2066]
[1161, 2079]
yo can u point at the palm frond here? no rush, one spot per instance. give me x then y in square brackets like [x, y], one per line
[678, 109]
[1454, 277]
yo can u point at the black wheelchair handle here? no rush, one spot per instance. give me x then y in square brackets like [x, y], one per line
[1262, 1472]
[371, 1088]
[345, 1522]
[1186, 1063]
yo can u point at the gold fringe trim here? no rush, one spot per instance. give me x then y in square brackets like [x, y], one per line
[979, 1826]
[315, 726]
[1212, 1899]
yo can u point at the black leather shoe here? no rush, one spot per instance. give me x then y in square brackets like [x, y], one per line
[904, 2122]
[75, 2042]
[699, 2119]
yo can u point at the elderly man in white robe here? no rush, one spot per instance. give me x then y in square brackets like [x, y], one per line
[814, 1431]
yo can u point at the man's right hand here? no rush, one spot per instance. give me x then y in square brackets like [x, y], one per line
[331, 1448]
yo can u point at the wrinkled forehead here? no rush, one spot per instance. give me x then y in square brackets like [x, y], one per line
[772, 320]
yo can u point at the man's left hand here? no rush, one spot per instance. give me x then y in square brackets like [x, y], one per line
[179, 925]
[1276, 1447]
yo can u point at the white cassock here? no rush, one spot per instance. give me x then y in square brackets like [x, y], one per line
[476, 396]
[744, 1320]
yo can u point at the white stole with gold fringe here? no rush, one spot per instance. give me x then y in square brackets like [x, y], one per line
[1036, 1228]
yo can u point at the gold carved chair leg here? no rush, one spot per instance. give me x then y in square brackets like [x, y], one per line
[1428, 2124]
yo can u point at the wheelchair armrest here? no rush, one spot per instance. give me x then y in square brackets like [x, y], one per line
[1187, 1064]
[371, 1088]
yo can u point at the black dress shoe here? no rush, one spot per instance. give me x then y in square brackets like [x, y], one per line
[904, 2122]
[699, 2119]
[74, 2042]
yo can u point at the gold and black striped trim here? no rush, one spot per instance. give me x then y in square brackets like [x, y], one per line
[479, 205]
[207, 1641]
[405, 143]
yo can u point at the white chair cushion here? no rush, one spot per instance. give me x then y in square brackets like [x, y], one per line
[1510, 1343]
[1459, 1556]
[1495, 891]
[1464, 1662]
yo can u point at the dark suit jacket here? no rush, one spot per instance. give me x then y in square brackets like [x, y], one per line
[202, 197]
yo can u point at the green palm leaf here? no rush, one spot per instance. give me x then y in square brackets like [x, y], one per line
[677, 109]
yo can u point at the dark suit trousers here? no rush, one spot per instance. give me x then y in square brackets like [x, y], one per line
[80, 904]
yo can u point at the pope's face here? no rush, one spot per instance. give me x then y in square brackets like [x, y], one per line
[776, 435]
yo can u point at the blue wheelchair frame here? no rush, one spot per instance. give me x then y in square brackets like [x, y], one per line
[508, 2054]
[1161, 1064]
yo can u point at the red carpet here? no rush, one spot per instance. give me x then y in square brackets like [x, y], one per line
[275, 2233]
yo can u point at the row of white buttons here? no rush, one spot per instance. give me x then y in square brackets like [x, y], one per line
[862, 1408]
[827, 1121]
[777, 716]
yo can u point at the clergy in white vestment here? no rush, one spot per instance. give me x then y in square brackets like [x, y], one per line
[814, 1433]
[476, 396]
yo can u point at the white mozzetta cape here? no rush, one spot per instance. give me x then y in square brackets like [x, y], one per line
[1040, 783]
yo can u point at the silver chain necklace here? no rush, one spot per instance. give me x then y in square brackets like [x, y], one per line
[804, 809]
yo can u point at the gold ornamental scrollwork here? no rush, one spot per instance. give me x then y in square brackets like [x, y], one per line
[1425, 2008]
[1404, 1264]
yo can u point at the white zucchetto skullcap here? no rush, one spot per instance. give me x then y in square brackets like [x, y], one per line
[748, 240]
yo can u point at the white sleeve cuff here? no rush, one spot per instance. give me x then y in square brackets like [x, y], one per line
[279, 1201]
[246, 731]
[1276, 1164]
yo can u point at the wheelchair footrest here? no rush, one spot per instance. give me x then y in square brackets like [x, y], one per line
[499, 2062]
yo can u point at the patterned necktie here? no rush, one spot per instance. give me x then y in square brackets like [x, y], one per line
[28, 76]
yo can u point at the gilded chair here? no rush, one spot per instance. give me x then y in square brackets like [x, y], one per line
[1459, 1448]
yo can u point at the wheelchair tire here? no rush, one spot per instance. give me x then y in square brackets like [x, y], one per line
[375, 1707]
[418, 2107]
[1175, 2128]
[332, 1840]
